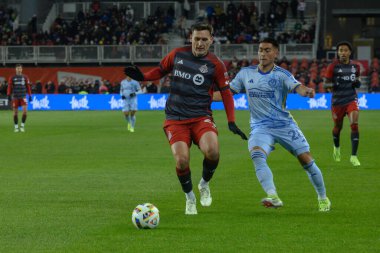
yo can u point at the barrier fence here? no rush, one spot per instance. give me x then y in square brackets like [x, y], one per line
[76, 102]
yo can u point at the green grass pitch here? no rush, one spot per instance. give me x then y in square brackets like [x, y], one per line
[71, 181]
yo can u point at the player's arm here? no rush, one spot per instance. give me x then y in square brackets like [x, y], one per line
[228, 101]
[357, 83]
[327, 80]
[166, 65]
[305, 91]
[28, 88]
[10, 88]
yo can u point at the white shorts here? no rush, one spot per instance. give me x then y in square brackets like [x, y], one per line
[130, 104]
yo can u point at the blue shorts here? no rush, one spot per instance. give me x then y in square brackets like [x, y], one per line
[130, 104]
[290, 137]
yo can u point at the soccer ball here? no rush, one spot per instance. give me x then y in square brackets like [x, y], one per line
[145, 216]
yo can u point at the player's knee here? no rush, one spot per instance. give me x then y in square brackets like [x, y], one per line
[354, 127]
[182, 162]
[308, 165]
[212, 154]
[337, 129]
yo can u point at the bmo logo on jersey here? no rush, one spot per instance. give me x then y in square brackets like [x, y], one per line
[198, 79]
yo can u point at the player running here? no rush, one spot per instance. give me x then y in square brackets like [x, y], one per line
[267, 86]
[189, 120]
[18, 87]
[342, 77]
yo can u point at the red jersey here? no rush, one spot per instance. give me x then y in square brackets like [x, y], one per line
[19, 86]
[193, 81]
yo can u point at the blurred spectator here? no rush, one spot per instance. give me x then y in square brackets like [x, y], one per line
[38, 87]
[62, 88]
[50, 87]
[301, 10]
[103, 89]
[150, 87]
[186, 8]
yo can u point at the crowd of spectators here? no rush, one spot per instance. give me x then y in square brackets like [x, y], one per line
[119, 26]
[244, 23]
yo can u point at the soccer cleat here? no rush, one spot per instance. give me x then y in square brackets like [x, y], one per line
[205, 194]
[132, 130]
[354, 160]
[336, 154]
[22, 129]
[16, 130]
[324, 205]
[129, 127]
[272, 201]
[191, 207]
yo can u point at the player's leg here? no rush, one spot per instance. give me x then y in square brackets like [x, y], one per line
[179, 139]
[127, 117]
[23, 119]
[15, 115]
[338, 113]
[292, 138]
[353, 116]
[205, 136]
[316, 179]
[260, 144]
[133, 116]
[209, 146]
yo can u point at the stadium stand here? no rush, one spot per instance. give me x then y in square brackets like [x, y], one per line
[143, 32]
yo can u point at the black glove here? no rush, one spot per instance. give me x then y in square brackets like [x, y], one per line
[30, 98]
[132, 95]
[134, 72]
[123, 97]
[233, 128]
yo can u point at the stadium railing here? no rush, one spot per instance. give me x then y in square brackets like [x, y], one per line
[134, 53]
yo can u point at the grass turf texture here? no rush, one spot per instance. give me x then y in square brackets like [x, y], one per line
[71, 181]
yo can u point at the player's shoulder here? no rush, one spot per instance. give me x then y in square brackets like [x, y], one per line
[281, 70]
[181, 49]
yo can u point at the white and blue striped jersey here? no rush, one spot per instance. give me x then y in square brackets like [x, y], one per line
[266, 93]
[128, 87]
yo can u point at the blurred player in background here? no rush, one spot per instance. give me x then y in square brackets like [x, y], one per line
[267, 86]
[18, 87]
[128, 90]
[195, 74]
[342, 78]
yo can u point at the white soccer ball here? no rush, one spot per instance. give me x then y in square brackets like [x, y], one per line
[145, 216]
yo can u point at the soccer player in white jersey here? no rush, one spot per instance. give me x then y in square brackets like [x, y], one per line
[128, 90]
[267, 86]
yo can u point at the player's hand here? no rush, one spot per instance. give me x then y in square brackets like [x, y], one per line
[310, 93]
[30, 98]
[9, 98]
[132, 95]
[123, 97]
[134, 72]
[233, 128]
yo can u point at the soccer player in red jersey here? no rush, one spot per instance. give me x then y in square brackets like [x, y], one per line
[18, 87]
[196, 72]
[342, 77]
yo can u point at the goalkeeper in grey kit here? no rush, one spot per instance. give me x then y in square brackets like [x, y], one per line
[128, 90]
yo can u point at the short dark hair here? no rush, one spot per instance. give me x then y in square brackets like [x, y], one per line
[18, 65]
[200, 26]
[345, 43]
[271, 41]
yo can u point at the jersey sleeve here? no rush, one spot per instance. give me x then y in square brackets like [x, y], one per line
[237, 83]
[28, 86]
[222, 81]
[165, 67]
[10, 86]
[330, 71]
[290, 81]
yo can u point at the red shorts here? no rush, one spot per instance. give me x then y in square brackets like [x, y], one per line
[339, 111]
[188, 131]
[16, 102]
